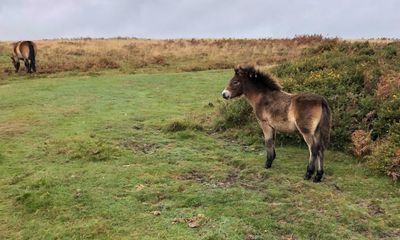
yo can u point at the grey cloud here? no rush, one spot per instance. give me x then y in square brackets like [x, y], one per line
[201, 19]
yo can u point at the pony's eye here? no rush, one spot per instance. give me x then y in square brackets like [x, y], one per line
[236, 83]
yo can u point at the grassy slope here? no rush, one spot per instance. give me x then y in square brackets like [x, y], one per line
[86, 157]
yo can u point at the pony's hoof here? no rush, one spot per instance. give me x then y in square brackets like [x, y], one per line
[268, 166]
[307, 176]
[317, 179]
[268, 163]
[318, 176]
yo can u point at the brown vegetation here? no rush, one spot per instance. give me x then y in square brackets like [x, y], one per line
[138, 55]
[362, 143]
[387, 86]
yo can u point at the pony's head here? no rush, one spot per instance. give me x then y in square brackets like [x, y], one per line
[247, 78]
[235, 86]
[15, 62]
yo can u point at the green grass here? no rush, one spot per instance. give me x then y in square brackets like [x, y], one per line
[85, 157]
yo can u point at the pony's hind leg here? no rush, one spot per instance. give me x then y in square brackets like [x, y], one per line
[313, 148]
[17, 65]
[33, 65]
[27, 66]
[320, 166]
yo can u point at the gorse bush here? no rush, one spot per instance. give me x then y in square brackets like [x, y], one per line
[386, 155]
[388, 113]
[238, 115]
[234, 115]
[390, 51]
[346, 74]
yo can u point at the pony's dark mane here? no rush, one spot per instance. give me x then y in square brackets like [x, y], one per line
[261, 79]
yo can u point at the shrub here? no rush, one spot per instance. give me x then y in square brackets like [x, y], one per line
[362, 143]
[388, 113]
[233, 114]
[104, 63]
[347, 74]
[385, 157]
[389, 51]
[387, 86]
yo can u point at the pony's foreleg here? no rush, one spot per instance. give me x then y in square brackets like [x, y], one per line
[269, 137]
[270, 145]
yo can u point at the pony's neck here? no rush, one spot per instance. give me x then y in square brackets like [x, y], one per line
[253, 95]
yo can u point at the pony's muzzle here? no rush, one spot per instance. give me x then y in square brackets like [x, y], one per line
[226, 94]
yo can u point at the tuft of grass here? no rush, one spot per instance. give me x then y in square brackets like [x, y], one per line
[81, 149]
[177, 126]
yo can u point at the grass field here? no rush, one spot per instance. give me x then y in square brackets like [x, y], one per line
[85, 157]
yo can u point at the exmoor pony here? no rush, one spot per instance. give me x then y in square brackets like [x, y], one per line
[25, 51]
[277, 110]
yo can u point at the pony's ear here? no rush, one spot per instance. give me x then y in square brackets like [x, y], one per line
[251, 72]
[239, 70]
[236, 70]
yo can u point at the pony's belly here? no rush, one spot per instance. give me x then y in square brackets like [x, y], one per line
[282, 123]
[286, 126]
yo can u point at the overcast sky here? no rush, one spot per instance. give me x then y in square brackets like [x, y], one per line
[38, 19]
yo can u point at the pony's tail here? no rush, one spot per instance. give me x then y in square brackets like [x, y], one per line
[32, 55]
[325, 124]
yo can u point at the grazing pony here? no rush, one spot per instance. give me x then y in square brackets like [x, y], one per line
[26, 51]
[277, 110]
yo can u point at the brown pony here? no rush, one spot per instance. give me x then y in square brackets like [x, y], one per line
[277, 110]
[26, 51]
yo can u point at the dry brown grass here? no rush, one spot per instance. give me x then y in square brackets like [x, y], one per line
[13, 128]
[362, 143]
[387, 86]
[138, 55]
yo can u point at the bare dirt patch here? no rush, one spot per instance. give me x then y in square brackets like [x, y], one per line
[72, 111]
[192, 222]
[140, 146]
[202, 178]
